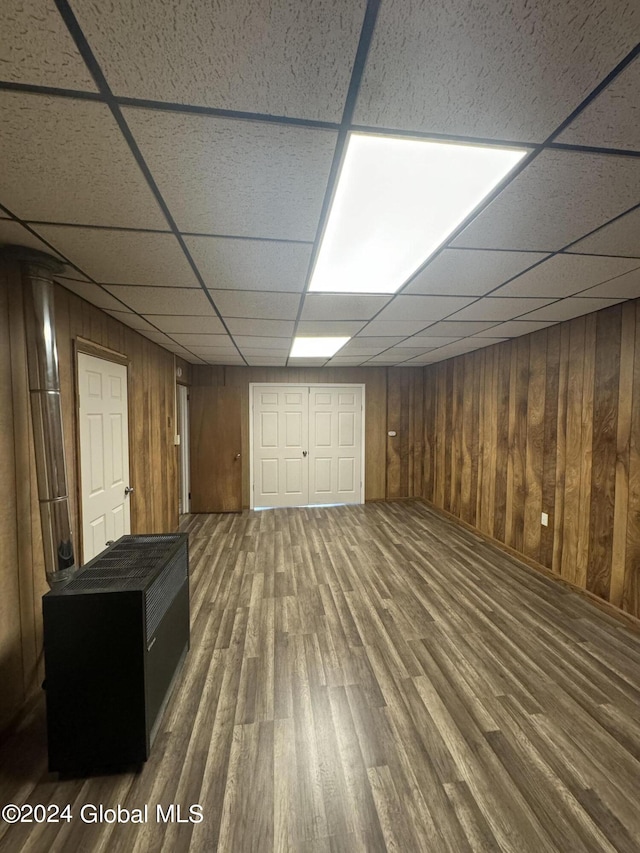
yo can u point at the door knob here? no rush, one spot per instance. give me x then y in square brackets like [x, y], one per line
[304, 452]
[237, 456]
[128, 490]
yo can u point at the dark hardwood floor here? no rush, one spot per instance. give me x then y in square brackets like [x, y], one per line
[370, 678]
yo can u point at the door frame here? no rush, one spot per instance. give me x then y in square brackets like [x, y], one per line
[87, 347]
[361, 385]
[182, 393]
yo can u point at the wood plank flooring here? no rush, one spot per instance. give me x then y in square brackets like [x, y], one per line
[370, 678]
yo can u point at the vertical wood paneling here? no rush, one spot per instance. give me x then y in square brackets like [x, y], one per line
[549, 422]
[154, 505]
[535, 444]
[623, 438]
[603, 465]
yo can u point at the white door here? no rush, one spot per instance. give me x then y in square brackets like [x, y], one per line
[104, 453]
[335, 445]
[280, 452]
[307, 445]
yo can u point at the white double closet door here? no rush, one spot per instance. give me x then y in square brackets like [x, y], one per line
[307, 444]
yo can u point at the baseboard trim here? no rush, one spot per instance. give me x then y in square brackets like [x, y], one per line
[532, 565]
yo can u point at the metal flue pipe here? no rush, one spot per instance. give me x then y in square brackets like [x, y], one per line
[37, 270]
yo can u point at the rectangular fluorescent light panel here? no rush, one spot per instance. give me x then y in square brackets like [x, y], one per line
[396, 201]
[316, 347]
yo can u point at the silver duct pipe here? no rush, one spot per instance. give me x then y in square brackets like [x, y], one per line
[46, 409]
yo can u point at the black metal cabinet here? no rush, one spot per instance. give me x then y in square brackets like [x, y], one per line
[114, 639]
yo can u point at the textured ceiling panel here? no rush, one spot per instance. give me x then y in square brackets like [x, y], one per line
[12, 233]
[131, 319]
[566, 309]
[238, 178]
[564, 275]
[36, 47]
[621, 237]
[330, 328]
[624, 287]
[612, 120]
[339, 306]
[560, 197]
[389, 357]
[487, 69]
[92, 293]
[123, 257]
[427, 309]
[190, 340]
[261, 328]
[267, 56]
[250, 341]
[426, 341]
[399, 328]
[491, 308]
[66, 161]
[162, 300]
[157, 337]
[468, 272]
[256, 305]
[265, 361]
[514, 328]
[457, 329]
[250, 264]
[347, 361]
[207, 325]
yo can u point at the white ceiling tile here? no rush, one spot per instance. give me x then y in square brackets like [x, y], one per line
[14, 234]
[392, 356]
[66, 161]
[564, 275]
[566, 309]
[560, 197]
[224, 359]
[373, 341]
[429, 342]
[37, 48]
[239, 178]
[178, 350]
[162, 300]
[155, 336]
[348, 361]
[250, 264]
[427, 309]
[623, 287]
[264, 361]
[355, 347]
[469, 272]
[92, 293]
[280, 58]
[203, 325]
[132, 320]
[515, 328]
[275, 343]
[486, 342]
[267, 353]
[307, 362]
[401, 328]
[191, 340]
[123, 257]
[261, 328]
[406, 352]
[339, 306]
[612, 120]
[330, 328]
[256, 304]
[491, 308]
[457, 329]
[621, 237]
[485, 70]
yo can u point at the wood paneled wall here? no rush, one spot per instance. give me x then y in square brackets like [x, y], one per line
[153, 463]
[393, 401]
[549, 422]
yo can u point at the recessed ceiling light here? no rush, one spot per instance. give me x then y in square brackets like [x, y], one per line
[316, 347]
[396, 201]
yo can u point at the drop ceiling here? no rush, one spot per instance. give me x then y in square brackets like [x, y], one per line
[181, 159]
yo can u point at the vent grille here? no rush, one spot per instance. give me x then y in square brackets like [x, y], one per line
[163, 590]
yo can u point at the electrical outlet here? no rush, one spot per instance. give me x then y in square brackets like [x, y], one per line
[544, 519]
